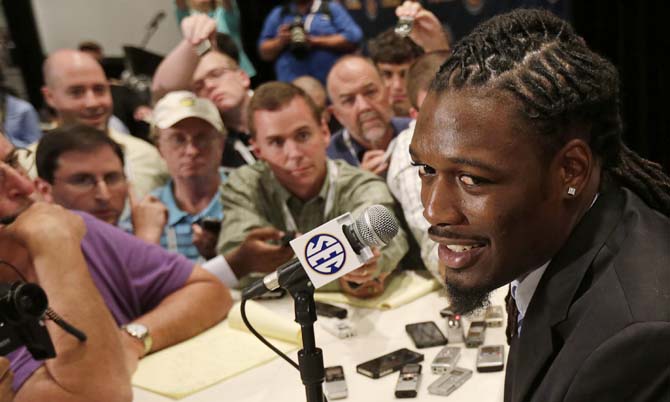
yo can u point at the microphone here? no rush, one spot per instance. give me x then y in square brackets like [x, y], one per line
[324, 254]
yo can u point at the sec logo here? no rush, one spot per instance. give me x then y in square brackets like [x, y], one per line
[325, 254]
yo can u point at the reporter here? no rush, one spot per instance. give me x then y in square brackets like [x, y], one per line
[119, 280]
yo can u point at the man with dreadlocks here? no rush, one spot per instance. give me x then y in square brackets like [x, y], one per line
[525, 180]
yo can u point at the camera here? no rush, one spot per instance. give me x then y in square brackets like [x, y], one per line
[299, 45]
[22, 306]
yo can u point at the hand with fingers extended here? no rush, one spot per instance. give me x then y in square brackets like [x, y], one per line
[427, 31]
[149, 217]
[258, 253]
[197, 28]
[375, 161]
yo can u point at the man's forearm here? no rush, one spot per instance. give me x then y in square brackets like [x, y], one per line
[270, 49]
[86, 370]
[175, 71]
[200, 303]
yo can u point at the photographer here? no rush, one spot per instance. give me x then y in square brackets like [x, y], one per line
[306, 37]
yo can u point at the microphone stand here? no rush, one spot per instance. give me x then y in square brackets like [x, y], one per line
[310, 358]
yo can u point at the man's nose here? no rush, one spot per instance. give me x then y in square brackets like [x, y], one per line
[441, 203]
[292, 149]
[16, 182]
[397, 83]
[91, 99]
[102, 190]
[361, 103]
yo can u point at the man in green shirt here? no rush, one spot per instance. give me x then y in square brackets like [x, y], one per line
[295, 187]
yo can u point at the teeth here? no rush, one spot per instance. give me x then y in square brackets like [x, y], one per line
[458, 248]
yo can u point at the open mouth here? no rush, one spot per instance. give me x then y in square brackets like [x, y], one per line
[460, 248]
[460, 256]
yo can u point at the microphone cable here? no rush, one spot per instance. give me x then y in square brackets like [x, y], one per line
[262, 339]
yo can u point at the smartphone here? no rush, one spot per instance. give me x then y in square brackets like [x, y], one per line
[476, 334]
[408, 381]
[490, 358]
[286, 239]
[336, 386]
[425, 334]
[388, 363]
[328, 310]
[446, 359]
[448, 383]
[209, 224]
[494, 316]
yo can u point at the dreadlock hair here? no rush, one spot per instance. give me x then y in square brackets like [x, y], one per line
[560, 83]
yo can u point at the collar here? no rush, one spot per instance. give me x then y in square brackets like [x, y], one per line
[523, 288]
[176, 214]
[285, 195]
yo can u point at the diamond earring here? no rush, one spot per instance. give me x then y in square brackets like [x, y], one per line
[572, 191]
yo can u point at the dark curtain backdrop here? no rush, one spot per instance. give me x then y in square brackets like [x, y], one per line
[629, 33]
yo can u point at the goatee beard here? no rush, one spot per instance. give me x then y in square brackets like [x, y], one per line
[466, 301]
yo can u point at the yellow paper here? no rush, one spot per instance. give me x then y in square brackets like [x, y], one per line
[216, 354]
[402, 288]
[266, 322]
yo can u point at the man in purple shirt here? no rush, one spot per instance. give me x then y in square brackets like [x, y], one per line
[129, 297]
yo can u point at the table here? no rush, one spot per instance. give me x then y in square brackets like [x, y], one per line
[378, 332]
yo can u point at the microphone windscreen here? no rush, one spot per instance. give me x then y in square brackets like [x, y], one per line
[376, 226]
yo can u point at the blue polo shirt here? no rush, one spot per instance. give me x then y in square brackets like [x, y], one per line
[352, 152]
[318, 61]
[178, 228]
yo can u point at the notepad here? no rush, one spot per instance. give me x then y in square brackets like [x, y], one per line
[223, 351]
[401, 289]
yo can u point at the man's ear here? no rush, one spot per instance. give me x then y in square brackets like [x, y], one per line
[324, 126]
[43, 190]
[48, 96]
[575, 163]
[255, 148]
[413, 113]
[244, 79]
[332, 111]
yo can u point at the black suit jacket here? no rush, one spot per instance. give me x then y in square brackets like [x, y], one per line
[598, 325]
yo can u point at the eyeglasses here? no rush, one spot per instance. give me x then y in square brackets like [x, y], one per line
[179, 141]
[212, 74]
[85, 182]
[19, 159]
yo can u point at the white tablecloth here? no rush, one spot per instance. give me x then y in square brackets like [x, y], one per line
[378, 332]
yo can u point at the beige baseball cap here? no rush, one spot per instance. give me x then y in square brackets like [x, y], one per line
[179, 105]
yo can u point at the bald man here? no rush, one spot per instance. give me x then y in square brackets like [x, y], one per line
[361, 103]
[77, 89]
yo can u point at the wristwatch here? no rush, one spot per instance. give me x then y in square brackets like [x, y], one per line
[203, 47]
[141, 332]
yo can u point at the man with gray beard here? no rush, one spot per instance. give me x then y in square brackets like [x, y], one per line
[361, 103]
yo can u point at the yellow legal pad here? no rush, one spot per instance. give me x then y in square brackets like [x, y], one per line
[402, 288]
[223, 351]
